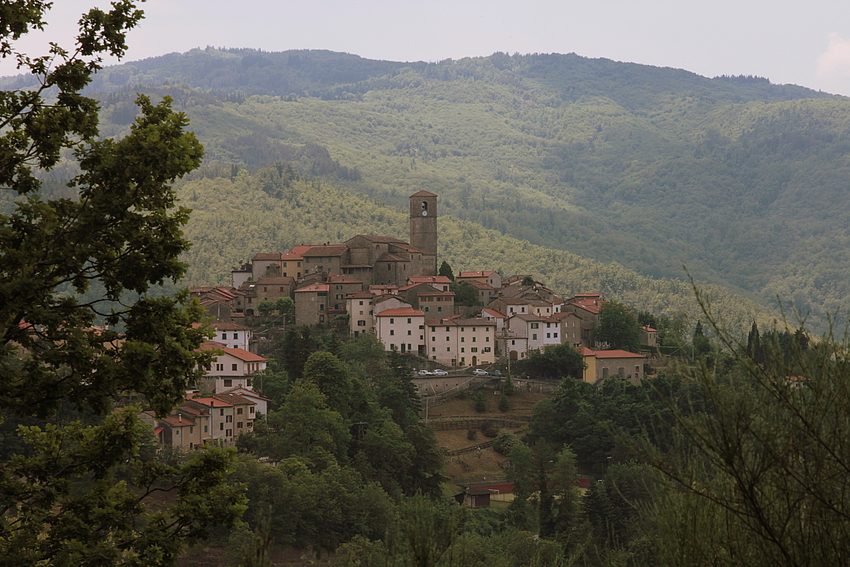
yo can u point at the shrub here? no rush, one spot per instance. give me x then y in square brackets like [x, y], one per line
[504, 443]
[471, 434]
[480, 406]
[503, 404]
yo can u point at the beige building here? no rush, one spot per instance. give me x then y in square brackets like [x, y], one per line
[402, 330]
[311, 305]
[461, 342]
[233, 367]
[360, 317]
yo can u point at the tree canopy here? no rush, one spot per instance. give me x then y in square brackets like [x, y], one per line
[80, 323]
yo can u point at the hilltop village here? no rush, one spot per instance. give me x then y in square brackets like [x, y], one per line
[392, 288]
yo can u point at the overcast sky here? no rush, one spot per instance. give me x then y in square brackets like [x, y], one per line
[788, 41]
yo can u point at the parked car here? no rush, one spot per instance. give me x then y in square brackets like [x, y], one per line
[440, 373]
[495, 373]
[425, 373]
[479, 372]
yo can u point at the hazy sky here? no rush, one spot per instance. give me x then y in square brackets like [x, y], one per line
[787, 41]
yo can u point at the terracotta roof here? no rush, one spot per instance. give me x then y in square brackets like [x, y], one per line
[493, 313]
[234, 399]
[479, 285]
[387, 257]
[389, 296]
[475, 274]
[649, 329]
[456, 321]
[532, 317]
[290, 257]
[329, 250]
[244, 355]
[360, 295]
[211, 402]
[401, 312]
[429, 279]
[376, 238]
[177, 421]
[423, 194]
[314, 288]
[244, 392]
[300, 249]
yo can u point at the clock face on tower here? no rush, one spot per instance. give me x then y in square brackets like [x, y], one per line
[424, 213]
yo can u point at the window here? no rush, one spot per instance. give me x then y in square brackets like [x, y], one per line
[238, 411]
[191, 430]
[548, 335]
[433, 349]
[228, 383]
[339, 296]
[474, 339]
[433, 329]
[228, 433]
[534, 337]
[251, 409]
[221, 412]
[535, 325]
[224, 336]
[321, 307]
[408, 332]
[486, 339]
[408, 320]
[361, 323]
[462, 339]
[219, 367]
[473, 349]
[206, 429]
[392, 332]
[462, 349]
[361, 303]
[228, 419]
[235, 335]
[221, 427]
[392, 321]
[238, 425]
[321, 318]
[235, 366]
[439, 308]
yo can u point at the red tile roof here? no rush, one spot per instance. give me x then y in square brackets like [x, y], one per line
[401, 312]
[314, 288]
[423, 193]
[326, 250]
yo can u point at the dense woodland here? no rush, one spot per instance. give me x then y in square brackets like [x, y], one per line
[741, 182]
[552, 165]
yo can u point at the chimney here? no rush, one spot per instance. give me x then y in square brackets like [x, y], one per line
[180, 417]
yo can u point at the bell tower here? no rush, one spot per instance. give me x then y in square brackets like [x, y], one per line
[423, 225]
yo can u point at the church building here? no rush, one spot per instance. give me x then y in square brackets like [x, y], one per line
[373, 260]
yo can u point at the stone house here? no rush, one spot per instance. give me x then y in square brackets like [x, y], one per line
[455, 341]
[401, 329]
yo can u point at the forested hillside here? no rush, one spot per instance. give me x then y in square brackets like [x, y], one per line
[742, 182]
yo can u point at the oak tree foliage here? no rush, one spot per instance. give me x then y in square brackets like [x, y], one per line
[66, 267]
